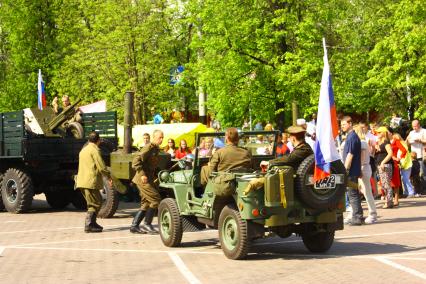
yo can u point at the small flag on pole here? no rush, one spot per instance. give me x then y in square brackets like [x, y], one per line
[41, 92]
[327, 129]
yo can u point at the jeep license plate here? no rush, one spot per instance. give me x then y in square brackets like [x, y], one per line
[328, 182]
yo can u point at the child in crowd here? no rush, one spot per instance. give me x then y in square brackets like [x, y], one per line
[415, 174]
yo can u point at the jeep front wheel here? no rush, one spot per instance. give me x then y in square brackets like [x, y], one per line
[170, 223]
[318, 241]
[233, 233]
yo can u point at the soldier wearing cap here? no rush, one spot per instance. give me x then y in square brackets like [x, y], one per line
[301, 149]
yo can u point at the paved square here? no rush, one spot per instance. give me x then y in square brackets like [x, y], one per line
[47, 246]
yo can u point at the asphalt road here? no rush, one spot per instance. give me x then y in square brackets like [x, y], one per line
[47, 246]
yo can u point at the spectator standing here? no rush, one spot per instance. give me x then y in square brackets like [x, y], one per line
[396, 176]
[183, 150]
[352, 162]
[364, 181]
[415, 174]
[170, 147]
[286, 141]
[282, 148]
[385, 164]
[403, 157]
[146, 139]
[417, 141]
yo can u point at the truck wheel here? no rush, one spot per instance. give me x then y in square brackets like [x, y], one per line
[17, 191]
[57, 199]
[170, 222]
[233, 233]
[75, 129]
[1, 199]
[78, 201]
[318, 241]
[109, 201]
[318, 198]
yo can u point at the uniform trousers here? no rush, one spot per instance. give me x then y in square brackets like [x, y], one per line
[93, 199]
[150, 197]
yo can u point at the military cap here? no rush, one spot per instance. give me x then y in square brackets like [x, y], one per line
[295, 129]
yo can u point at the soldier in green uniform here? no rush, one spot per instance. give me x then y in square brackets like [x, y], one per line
[229, 157]
[91, 167]
[301, 149]
[145, 165]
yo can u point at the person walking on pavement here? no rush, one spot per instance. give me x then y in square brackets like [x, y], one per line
[352, 162]
[366, 172]
[145, 165]
[91, 168]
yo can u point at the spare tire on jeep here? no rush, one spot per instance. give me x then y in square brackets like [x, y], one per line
[320, 198]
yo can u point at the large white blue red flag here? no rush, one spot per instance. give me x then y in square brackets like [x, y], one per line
[41, 92]
[327, 129]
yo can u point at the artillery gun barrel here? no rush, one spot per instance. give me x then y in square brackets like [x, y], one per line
[66, 114]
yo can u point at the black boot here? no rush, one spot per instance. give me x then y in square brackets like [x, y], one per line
[148, 220]
[89, 226]
[96, 225]
[136, 221]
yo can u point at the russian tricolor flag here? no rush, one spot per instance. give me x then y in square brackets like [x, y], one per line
[41, 92]
[327, 128]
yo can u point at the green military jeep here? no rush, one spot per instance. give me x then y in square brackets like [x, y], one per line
[247, 204]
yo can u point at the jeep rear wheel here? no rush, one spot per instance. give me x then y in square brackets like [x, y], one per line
[318, 198]
[17, 191]
[233, 233]
[170, 222]
[318, 241]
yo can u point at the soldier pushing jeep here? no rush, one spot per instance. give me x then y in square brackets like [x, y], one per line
[145, 165]
[91, 168]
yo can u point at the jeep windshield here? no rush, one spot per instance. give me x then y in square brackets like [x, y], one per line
[261, 144]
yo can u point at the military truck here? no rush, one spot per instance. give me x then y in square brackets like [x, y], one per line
[247, 204]
[39, 154]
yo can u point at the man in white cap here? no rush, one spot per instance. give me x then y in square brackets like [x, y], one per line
[310, 131]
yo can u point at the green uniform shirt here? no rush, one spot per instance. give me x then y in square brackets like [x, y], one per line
[295, 158]
[91, 167]
[146, 163]
[230, 157]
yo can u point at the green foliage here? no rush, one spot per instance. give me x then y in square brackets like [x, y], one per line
[250, 57]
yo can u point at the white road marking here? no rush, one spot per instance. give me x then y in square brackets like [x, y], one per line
[407, 258]
[2, 250]
[183, 268]
[401, 267]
